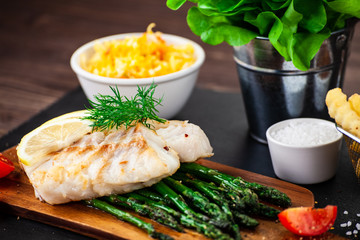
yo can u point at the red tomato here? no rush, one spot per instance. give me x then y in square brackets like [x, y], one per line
[308, 221]
[6, 166]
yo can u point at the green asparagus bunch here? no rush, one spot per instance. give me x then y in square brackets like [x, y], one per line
[266, 193]
[208, 201]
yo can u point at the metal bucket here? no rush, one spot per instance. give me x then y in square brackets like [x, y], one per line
[274, 90]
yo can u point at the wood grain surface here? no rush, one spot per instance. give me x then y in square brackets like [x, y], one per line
[37, 39]
[17, 196]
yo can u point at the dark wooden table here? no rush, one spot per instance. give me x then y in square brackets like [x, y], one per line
[38, 37]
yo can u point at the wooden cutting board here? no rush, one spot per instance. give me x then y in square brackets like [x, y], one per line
[17, 197]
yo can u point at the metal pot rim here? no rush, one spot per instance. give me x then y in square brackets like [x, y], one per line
[332, 33]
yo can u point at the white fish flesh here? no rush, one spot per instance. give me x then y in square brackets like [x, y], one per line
[101, 164]
[187, 139]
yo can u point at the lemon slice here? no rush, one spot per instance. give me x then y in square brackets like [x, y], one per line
[50, 137]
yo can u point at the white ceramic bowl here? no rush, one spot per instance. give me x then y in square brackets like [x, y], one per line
[175, 88]
[308, 154]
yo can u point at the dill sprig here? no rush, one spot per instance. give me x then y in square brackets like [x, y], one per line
[109, 112]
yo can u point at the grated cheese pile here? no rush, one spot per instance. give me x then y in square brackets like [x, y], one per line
[142, 56]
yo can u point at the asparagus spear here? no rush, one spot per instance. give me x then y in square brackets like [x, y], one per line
[224, 180]
[127, 217]
[153, 195]
[202, 227]
[166, 192]
[218, 217]
[155, 214]
[263, 210]
[234, 200]
[231, 198]
[236, 204]
[154, 203]
[245, 220]
[266, 193]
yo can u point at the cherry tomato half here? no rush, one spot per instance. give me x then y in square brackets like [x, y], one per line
[308, 221]
[6, 166]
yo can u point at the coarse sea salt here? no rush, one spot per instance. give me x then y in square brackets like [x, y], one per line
[297, 133]
[343, 225]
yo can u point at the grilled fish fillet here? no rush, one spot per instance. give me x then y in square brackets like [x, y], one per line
[187, 139]
[101, 164]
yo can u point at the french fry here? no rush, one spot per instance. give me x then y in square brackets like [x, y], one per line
[342, 111]
[354, 101]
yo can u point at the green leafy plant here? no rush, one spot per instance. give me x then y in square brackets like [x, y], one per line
[296, 28]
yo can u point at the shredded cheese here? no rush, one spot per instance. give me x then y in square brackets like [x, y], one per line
[142, 56]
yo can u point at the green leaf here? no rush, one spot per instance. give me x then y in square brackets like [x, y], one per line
[225, 6]
[271, 5]
[215, 30]
[175, 4]
[336, 20]
[276, 30]
[349, 7]
[306, 45]
[236, 12]
[199, 22]
[233, 35]
[314, 15]
[291, 18]
[283, 43]
[265, 22]
[270, 25]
